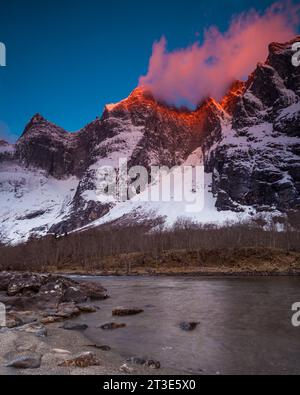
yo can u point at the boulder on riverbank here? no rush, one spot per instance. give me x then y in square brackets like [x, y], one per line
[50, 286]
[29, 361]
[83, 360]
[46, 298]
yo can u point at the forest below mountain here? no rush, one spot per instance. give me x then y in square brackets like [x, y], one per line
[185, 248]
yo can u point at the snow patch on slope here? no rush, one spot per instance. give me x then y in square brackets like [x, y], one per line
[30, 202]
[7, 149]
[160, 199]
[290, 112]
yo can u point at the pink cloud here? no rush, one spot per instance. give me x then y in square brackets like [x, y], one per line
[194, 73]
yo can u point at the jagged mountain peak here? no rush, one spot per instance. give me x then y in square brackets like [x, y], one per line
[46, 146]
[138, 96]
[143, 98]
[38, 125]
[38, 118]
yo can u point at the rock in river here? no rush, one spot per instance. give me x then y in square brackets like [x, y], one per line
[123, 312]
[30, 361]
[69, 326]
[189, 326]
[112, 326]
[50, 320]
[99, 347]
[74, 294]
[67, 310]
[136, 361]
[86, 308]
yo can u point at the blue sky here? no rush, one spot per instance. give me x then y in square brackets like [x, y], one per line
[67, 58]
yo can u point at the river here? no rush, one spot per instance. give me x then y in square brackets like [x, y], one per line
[245, 323]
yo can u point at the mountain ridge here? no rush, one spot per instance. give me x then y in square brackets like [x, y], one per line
[249, 144]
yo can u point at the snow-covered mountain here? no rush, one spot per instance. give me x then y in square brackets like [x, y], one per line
[249, 144]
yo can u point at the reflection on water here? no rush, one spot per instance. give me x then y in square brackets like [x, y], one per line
[245, 323]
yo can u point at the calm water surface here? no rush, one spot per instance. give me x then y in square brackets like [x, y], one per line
[245, 323]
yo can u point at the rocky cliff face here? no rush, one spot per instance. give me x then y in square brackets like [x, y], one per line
[249, 142]
[147, 134]
[257, 161]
